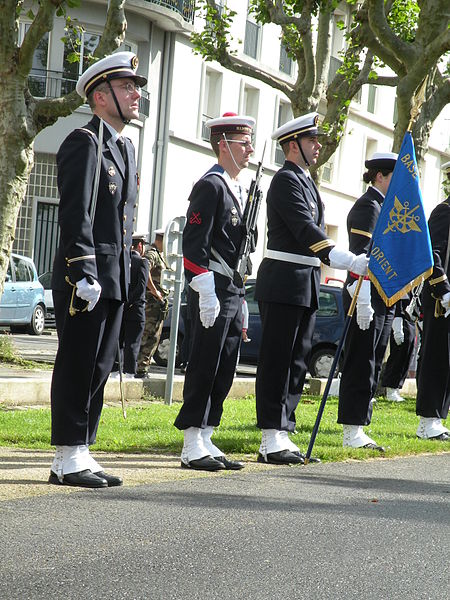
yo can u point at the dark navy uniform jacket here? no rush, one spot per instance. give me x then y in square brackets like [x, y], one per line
[134, 309]
[438, 224]
[214, 220]
[295, 220]
[361, 221]
[101, 250]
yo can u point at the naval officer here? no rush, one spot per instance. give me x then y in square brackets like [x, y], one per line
[211, 241]
[368, 336]
[288, 284]
[433, 381]
[91, 272]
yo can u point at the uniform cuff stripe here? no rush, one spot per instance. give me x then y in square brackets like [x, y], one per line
[318, 246]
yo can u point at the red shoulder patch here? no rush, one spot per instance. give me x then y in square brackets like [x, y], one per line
[195, 219]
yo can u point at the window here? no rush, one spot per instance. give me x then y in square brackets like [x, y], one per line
[285, 60]
[22, 269]
[250, 104]
[328, 167]
[252, 36]
[372, 98]
[371, 148]
[211, 99]
[335, 63]
[37, 80]
[327, 305]
[72, 70]
[284, 115]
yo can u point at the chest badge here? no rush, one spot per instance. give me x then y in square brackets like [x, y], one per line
[234, 220]
[111, 171]
[112, 187]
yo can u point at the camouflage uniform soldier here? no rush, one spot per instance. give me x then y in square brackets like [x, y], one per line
[156, 305]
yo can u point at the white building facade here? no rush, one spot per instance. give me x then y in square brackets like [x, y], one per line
[184, 90]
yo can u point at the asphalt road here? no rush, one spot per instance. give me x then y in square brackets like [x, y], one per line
[374, 530]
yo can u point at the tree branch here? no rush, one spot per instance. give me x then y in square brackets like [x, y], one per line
[369, 38]
[46, 111]
[41, 24]
[404, 52]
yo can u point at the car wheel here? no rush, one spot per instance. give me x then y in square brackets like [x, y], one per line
[161, 355]
[37, 322]
[321, 361]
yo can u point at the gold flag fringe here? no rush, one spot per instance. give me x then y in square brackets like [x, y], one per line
[408, 287]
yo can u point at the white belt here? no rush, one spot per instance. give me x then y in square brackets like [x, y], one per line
[218, 268]
[299, 259]
[219, 265]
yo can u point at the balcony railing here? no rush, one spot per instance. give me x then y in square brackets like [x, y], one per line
[53, 84]
[185, 8]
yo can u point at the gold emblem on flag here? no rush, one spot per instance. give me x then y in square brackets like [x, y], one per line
[402, 219]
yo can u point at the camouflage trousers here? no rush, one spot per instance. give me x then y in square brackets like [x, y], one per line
[155, 313]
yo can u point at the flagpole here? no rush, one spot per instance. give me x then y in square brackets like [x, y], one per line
[337, 356]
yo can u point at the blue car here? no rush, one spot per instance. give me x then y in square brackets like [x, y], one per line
[22, 304]
[330, 320]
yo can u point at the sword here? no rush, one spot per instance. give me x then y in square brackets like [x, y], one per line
[122, 397]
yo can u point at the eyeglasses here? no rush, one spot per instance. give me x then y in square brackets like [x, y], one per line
[131, 88]
[240, 142]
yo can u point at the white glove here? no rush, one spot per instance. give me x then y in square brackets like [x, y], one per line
[397, 330]
[364, 310]
[343, 259]
[208, 302]
[364, 315]
[445, 303]
[90, 292]
[364, 291]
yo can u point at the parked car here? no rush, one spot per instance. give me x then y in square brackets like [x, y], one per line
[328, 331]
[46, 280]
[22, 304]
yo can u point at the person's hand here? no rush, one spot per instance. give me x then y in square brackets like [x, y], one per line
[360, 264]
[397, 330]
[245, 337]
[364, 315]
[158, 296]
[344, 259]
[208, 302]
[89, 292]
[445, 303]
[364, 310]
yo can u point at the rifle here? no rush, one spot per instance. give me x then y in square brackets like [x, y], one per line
[250, 220]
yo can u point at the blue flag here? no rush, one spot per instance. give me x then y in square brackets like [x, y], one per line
[401, 255]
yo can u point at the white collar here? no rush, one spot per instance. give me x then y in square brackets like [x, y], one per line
[115, 135]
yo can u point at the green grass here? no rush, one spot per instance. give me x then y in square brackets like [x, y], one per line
[8, 355]
[149, 428]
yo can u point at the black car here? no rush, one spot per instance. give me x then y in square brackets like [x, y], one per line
[330, 321]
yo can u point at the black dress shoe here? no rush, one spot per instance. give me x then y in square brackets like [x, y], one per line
[311, 459]
[111, 480]
[207, 463]
[443, 437]
[374, 447]
[283, 457]
[84, 478]
[232, 465]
